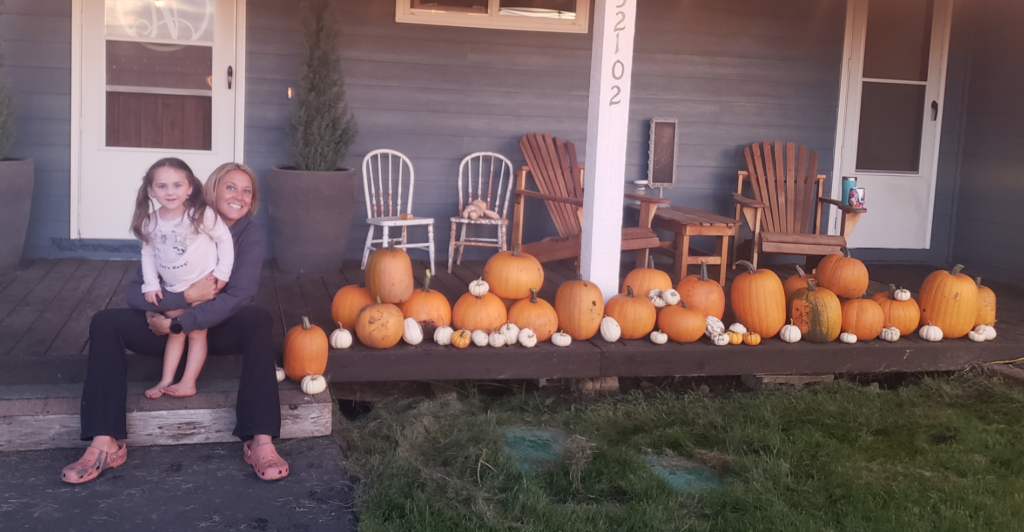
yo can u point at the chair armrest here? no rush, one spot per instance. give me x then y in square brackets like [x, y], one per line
[746, 202]
[842, 206]
[549, 197]
[646, 199]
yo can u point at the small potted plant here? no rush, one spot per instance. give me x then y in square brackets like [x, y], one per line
[312, 201]
[16, 180]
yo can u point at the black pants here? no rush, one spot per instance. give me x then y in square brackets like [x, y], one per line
[112, 331]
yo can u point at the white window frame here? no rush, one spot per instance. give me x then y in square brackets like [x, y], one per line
[404, 12]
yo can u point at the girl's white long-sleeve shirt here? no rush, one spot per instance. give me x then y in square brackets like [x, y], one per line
[180, 256]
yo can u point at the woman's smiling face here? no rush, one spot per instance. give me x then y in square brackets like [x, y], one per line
[234, 196]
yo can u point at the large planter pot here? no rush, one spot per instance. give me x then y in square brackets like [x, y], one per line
[310, 217]
[16, 178]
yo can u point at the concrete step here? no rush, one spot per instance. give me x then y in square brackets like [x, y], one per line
[46, 416]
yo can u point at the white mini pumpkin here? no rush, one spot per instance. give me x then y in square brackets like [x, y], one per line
[511, 332]
[313, 384]
[901, 294]
[720, 339]
[341, 338]
[413, 334]
[987, 331]
[739, 328]
[930, 333]
[610, 330]
[659, 337]
[281, 376]
[848, 338]
[889, 334]
[443, 335]
[976, 336]
[496, 339]
[561, 339]
[479, 287]
[655, 296]
[790, 333]
[527, 338]
[480, 338]
[671, 297]
[713, 326]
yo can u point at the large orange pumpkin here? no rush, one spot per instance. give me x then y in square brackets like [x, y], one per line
[580, 307]
[479, 313]
[380, 325]
[305, 351]
[535, 314]
[904, 315]
[949, 301]
[635, 315]
[758, 300]
[428, 307]
[643, 280]
[512, 274]
[682, 324]
[389, 275]
[796, 281]
[844, 275]
[703, 294]
[347, 303]
[816, 312]
[986, 305]
[863, 317]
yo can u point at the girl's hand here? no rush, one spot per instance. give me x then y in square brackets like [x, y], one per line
[158, 323]
[154, 297]
[202, 290]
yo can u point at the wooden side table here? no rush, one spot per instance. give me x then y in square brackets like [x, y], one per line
[686, 222]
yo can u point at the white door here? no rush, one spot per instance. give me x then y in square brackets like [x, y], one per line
[894, 82]
[157, 80]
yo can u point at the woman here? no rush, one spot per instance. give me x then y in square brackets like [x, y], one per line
[234, 325]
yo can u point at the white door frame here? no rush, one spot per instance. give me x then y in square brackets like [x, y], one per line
[76, 100]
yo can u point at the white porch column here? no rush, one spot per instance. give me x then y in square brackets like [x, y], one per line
[611, 69]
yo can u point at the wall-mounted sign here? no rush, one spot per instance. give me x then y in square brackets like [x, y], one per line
[661, 161]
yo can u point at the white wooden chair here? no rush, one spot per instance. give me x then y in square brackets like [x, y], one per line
[386, 175]
[493, 171]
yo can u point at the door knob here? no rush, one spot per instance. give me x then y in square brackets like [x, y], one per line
[935, 110]
[231, 74]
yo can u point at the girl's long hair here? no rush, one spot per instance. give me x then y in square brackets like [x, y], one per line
[195, 205]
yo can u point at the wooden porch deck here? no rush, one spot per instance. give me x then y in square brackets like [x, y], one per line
[45, 310]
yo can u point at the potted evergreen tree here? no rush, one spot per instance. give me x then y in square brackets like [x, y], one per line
[312, 201]
[16, 179]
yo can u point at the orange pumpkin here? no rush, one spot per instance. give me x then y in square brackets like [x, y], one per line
[986, 305]
[428, 307]
[461, 338]
[817, 313]
[347, 303]
[758, 300]
[844, 275]
[949, 301]
[635, 315]
[682, 324]
[643, 280]
[580, 307]
[512, 274]
[389, 275]
[479, 313]
[305, 351]
[535, 314]
[904, 315]
[380, 325]
[703, 294]
[863, 317]
[796, 281]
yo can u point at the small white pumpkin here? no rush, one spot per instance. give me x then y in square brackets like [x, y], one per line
[988, 331]
[720, 339]
[479, 287]
[930, 333]
[790, 333]
[413, 334]
[738, 328]
[281, 376]
[655, 296]
[341, 338]
[480, 338]
[561, 339]
[610, 329]
[889, 334]
[313, 384]
[527, 338]
[901, 294]
[443, 335]
[671, 297]
[848, 338]
[496, 339]
[713, 326]
[659, 337]
[511, 332]
[976, 336]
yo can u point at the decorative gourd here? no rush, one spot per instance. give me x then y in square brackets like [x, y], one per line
[479, 287]
[341, 338]
[443, 335]
[862, 317]
[655, 297]
[313, 384]
[904, 314]
[635, 315]
[496, 339]
[848, 338]
[461, 338]
[485, 312]
[281, 376]
[976, 336]
[527, 338]
[713, 326]
[535, 314]
[480, 338]
[758, 300]
[413, 333]
[671, 296]
[428, 307]
[380, 325]
[347, 303]
[790, 333]
[682, 324]
[561, 339]
[987, 331]
[643, 280]
[816, 312]
[735, 338]
[511, 332]
[610, 330]
[986, 314]
[512, 274]
[702, 294]
[842, 274]
[580, 307]
[738, 327]
[658, 337]
[305, 351]
[930, 333]
[720, 339]
[889, 334]
[752, 338]
[949, 301]
[796, 281]
[389, 275]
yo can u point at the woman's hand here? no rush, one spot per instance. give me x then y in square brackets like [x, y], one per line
[158, 323]
[153, 297]
[202, 290]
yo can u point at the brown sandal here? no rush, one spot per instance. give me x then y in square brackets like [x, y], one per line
[92, 463]
[265, 461]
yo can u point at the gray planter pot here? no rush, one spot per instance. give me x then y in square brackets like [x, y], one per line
[310, 217]
[16, 179]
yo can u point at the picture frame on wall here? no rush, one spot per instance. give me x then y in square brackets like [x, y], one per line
[663, 152]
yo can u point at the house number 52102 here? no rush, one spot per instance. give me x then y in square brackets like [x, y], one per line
[618, 67]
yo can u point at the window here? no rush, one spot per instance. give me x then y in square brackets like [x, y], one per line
[570, 16]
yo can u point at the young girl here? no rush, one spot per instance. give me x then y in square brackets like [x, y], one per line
[182, 242]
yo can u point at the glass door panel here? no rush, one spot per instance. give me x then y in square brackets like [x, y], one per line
[890, 127]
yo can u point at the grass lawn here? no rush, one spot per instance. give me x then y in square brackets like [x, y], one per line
[939, 454]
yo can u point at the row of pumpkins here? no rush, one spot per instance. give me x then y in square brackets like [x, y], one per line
[502, 308]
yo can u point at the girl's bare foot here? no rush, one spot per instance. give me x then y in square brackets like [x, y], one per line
[157, 390]
[180, 389]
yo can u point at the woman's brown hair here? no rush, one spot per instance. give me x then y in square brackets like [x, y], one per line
[213, 183]
[195, 205]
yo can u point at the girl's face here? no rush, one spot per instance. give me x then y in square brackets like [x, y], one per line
[234, 196]
[170, 188]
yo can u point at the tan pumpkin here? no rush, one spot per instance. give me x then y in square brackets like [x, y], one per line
[986, 305]
[635, 315]
[843, 275]
[863, 317]
[643, 280]
[428, 307]
[796, 281]
[682, 324]
[484, 313]
[305, 351]
[817, 313]
[703, 294]
[580, 307]
[903, 315]
[758, 300]
[511, 274]
[535, 314]
[389, 275]
[347, 303]
[949, 301]
[380, 325]
[461, 338]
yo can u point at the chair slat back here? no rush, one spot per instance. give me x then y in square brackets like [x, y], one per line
[783, 176]
[386, 174]
[555, 170]
[486, 176]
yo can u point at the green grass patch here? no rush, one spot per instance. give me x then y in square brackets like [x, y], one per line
[943, 454]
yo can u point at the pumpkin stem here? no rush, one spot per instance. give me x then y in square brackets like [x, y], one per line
[747, 265]
[426, 282]
[846, 251]
[956, 270]
[629, 291]
[800, 271]
[703, 271]
[379, 302]
[533, 296]
[978, 281]
[892, 291]
[682, 303]
[812, 285]
[305, 323]
[515, 250]
[391, 245]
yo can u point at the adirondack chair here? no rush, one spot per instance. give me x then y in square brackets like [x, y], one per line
[559, 178]
[785, 212]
